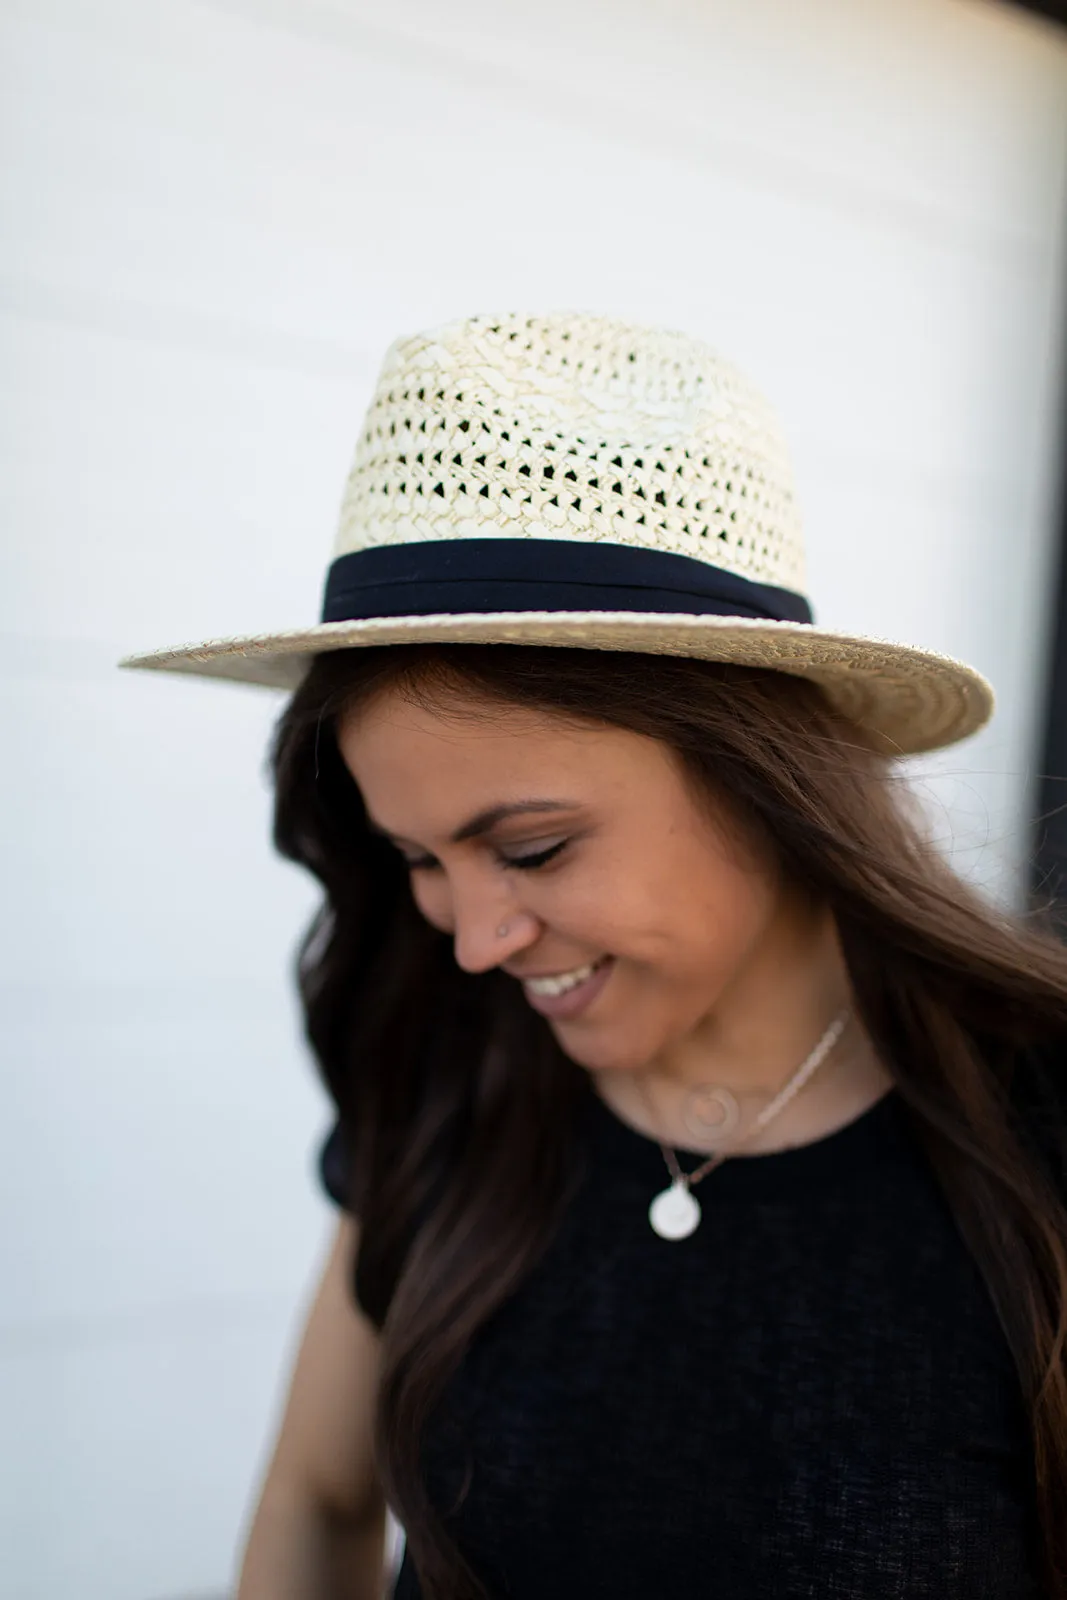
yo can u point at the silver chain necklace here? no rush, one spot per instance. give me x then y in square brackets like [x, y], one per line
[675, 1212]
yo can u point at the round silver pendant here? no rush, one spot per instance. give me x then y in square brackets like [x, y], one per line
[674, 1214]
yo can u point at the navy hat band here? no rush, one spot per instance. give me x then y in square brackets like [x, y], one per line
[453, 576]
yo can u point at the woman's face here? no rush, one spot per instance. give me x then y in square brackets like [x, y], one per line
[575, 857]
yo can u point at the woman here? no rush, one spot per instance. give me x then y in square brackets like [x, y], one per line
[700, 1142]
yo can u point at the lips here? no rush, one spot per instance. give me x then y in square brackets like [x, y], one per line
[561, 982]
[566, 994]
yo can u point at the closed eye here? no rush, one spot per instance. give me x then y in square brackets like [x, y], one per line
[538, 859]
[529, 863]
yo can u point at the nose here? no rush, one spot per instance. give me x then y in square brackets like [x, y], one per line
[488, 930]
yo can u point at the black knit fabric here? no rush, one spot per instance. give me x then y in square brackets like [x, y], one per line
[810, 1396]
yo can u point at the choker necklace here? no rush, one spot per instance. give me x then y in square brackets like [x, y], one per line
[675, 1213]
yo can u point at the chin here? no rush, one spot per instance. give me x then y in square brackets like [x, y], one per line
[611, 1053]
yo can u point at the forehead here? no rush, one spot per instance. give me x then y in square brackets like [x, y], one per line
[436, 756]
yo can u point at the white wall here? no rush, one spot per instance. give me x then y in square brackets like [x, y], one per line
[215, 217]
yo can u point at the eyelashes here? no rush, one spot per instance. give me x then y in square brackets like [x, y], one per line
[529, 863]
[539, 859]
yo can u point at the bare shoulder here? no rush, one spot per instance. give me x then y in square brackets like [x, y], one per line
[325, 1442]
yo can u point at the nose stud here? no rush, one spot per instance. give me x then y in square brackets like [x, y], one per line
[501, 932]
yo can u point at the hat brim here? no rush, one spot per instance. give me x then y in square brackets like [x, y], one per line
[911, 700]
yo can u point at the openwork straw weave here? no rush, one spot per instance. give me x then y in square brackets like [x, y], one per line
[573, 427]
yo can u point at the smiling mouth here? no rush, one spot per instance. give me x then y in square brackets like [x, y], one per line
[560, 982]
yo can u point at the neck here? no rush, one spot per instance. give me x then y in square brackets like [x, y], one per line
[771, 1014]
[759, 1032]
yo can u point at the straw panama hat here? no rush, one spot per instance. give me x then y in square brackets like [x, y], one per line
[575, 480]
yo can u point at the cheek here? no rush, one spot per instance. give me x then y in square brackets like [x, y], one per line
[696, 924]
[727, 919]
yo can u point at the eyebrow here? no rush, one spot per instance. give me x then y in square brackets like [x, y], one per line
[486, 820]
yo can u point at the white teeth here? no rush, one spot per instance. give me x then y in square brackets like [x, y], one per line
[561, 982]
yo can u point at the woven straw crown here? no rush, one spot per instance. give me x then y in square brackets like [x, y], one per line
[572, 480]
[574, 428]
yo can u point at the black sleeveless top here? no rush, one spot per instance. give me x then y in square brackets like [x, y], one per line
[810, 1396]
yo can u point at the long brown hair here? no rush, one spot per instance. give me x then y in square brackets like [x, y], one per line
[454, 1100]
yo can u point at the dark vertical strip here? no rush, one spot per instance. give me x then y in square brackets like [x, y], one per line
[1049, 867]
[1050, 853]
[1049, 863]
